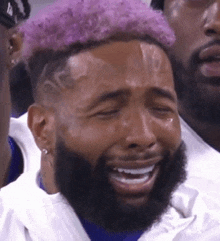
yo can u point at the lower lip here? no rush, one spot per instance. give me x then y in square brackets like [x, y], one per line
[135, 189]
[211, 69]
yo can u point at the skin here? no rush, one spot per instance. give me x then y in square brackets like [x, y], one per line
[7, 39]
[137, 116]
[4, 105]
[197, 25]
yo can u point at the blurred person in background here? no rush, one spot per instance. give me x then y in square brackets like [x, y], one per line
[195, 59]
[13, 152]
[195, 56]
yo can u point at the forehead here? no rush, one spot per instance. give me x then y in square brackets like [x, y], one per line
[131, 64]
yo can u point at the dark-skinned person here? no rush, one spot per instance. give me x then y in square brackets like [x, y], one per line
[105, 119]
[195, 61]
[14, 157]
[197, 78]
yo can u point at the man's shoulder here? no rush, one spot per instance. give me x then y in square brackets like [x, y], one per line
[20, 122]
[203, 160]
[189, 135]
[16, 191]
[44, 216]
[199, 194]
[12, 204]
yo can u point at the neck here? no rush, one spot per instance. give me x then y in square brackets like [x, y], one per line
[210, 133]
[48, 175]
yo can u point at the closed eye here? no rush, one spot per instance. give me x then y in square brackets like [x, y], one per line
[162, 109]
[108, 114]
[162, 112]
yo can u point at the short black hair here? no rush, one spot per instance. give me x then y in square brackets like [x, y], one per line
[10, 13]
[157, 4]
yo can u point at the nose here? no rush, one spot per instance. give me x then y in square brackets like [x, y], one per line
[140, 131]
[212, 19]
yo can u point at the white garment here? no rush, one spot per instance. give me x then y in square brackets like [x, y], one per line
[199, 195]
[28, 213]
[203, 160]
[203, 172]
[21, 134]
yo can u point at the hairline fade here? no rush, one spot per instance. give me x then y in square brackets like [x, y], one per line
[49, 71]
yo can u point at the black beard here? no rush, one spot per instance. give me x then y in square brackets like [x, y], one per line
[93, 198]
[194, 97]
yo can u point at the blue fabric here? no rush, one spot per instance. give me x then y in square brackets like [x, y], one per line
[99, 234]
[40, 181]
[16, 165]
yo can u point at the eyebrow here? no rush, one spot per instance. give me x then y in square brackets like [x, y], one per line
[108, 96]
[164, 93]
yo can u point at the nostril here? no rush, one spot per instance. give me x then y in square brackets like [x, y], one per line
[133, 145]
[210, 32]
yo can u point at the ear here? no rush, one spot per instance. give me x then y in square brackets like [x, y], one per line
[15, 46]
[41, 122]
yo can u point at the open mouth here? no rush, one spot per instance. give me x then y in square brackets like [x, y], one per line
[132, 176]
[133, 181]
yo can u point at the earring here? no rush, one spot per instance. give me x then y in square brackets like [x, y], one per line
[14, 61]
[45, 151]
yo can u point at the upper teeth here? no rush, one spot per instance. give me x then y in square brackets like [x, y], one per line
[135, 171]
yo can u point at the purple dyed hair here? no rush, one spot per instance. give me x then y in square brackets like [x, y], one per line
[68, 22]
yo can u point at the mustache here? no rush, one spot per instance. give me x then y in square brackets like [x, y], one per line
[137, 157]
[195, 56]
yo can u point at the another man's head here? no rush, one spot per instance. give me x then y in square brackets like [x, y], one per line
[106, 110]
[9, 44]
[9, 15]
[196, 55]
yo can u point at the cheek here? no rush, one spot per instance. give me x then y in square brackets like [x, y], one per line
[91, 139]
[188, 36]
[168, 133]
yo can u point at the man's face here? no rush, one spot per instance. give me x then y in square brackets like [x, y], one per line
[196, 55]
[117, 133]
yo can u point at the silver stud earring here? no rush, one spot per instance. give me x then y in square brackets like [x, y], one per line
[14, 61]
[45, 151]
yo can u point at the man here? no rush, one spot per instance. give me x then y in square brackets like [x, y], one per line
[105, 118]
[5, 100]
[14, 157]
[197, 78]
[196, 66]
